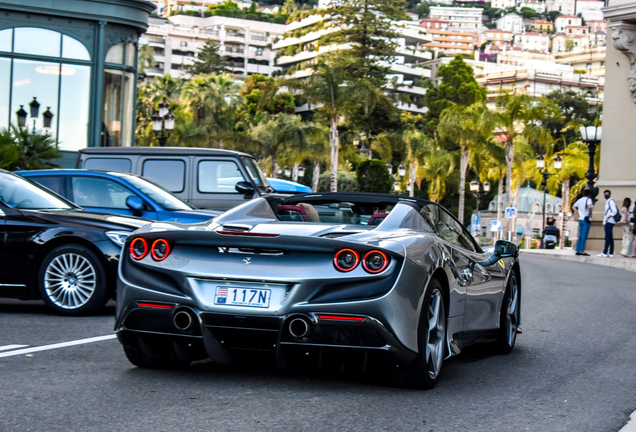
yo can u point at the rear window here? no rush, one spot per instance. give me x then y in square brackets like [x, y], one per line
[336, 213]
[168, 173]
[108, 164]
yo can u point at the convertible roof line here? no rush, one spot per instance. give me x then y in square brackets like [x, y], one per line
[360, 197]
[246, 233]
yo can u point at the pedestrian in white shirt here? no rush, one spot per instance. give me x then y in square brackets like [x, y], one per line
[628, 235]
[611, 216]
[584, 207]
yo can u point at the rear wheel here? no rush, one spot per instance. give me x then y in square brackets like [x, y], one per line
[509, 317]
[72, 281]
[425, 370]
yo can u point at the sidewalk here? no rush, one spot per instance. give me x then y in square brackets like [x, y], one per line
[618, 261]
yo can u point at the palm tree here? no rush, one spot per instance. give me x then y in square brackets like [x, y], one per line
[280, 133]
[435, 166]
[492, 166]
[469, 128]
[521, 115]
[146, 58]
[23, 150]
[327, 90]
[416, 147]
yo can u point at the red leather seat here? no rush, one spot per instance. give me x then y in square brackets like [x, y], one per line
[377, 218]
[288, 210]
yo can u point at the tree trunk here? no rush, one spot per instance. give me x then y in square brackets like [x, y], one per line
[333, 153]
[564, 202]
[463, 166]
[295, 173]
[510, 153]
[316, 176]
[412, 177]
[274, 165]
[221, 144]
[514, 219]
[369, 152]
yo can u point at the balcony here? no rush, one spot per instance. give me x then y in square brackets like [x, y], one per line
[235, 36]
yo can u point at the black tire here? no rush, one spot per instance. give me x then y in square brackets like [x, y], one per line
[149, 358]
[425, 370]
[509, 317]
[72, 281]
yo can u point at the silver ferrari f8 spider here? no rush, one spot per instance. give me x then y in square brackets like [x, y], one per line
[376, 280]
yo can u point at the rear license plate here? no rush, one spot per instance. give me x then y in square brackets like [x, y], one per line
[251, 297]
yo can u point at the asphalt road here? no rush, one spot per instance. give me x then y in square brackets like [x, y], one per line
[573, 369]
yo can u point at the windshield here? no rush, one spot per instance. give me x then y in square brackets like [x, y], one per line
[255, 172]
[158, 194]
[336, 213]
[21, 194]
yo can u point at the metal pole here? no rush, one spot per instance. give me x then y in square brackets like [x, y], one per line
[545, 184]
[590, 175]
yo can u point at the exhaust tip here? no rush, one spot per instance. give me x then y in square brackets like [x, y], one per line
[299, 327]
[182, 320]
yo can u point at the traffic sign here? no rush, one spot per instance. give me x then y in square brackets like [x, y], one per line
[495, 226]
[511, 212]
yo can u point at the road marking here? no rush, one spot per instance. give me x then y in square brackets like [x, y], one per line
[10, 347]
[57, 345]
[631, 424]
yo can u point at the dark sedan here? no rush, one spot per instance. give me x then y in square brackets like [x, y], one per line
[54, 250]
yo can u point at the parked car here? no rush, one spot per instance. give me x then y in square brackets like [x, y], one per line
[54, 250]
[287, 187]
[119, 193]
[206, 178]
[311, 279]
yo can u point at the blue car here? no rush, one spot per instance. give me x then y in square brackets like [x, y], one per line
[286, 186]
[119, 193]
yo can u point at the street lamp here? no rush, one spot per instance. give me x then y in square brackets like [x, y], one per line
[401, 170]
[591, 135]
[287, 172]
[543, 170]
[163, 122]
[301, 171]
[390, 168]
[34, 111]
[475, 189]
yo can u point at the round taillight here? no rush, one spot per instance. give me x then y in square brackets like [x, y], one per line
[138, 248]
[375, 261]
[160, 250]
[346, 260]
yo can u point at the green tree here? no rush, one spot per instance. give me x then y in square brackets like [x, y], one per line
[327, 89]
[368, 26]
[263, 95]
[468, 128]
[520, 115]
[280, 133]
[23, 150]
[552, 15]
[528, 13]
[373, 176]
[346, 182]
[569, 45]
[146, 57]
[575, 111]
[208, 60]
[458, 86]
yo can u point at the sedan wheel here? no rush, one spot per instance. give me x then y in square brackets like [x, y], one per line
[436, 333]
[73, 281]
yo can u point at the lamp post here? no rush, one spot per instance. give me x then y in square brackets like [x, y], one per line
[543, 170]
[163, 122]
[475, 189]
[591, 135]
[34, 108]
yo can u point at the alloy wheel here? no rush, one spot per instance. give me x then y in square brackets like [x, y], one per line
[70, 280]
[436, 332]
[512, 319]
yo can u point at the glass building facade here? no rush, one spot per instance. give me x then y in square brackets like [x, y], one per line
[76, 58]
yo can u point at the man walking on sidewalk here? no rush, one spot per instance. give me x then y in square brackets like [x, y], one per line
[611, 216]
[584, 208]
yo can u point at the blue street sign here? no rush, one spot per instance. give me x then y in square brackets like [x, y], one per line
[495, 226]
[511, 212]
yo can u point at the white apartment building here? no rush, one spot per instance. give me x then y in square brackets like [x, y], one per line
[459, 18]
[579, 43]
[590, 10]
[177, 40]
[537, 5]
[503, 4]
[566, 7]
[510, 22]
[533, 41]
[298, 49]
[167, 7]
[563, 21]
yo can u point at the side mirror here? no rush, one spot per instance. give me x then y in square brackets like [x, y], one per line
[505, 249]
[135, 203]
[244, 188]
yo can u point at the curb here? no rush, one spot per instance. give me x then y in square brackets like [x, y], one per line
[628, 264]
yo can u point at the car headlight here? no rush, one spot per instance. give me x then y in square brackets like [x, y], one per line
[118, 237]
